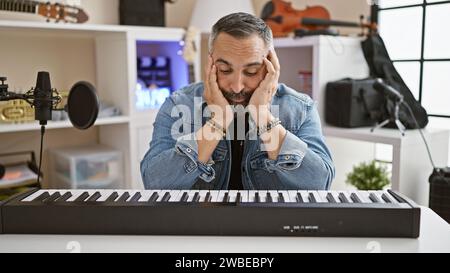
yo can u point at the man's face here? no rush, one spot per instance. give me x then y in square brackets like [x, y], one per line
[240, 66]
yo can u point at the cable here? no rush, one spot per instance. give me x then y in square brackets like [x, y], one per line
[40, 154]
[420, 131]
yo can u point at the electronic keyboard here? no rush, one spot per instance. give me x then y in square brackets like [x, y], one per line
[203, 212]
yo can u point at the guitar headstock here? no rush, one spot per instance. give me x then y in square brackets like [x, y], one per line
[64, 13]
[190, 50]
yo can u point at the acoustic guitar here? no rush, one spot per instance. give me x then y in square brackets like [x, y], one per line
[57, 12]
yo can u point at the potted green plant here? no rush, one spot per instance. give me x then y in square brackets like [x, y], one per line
[368, 176]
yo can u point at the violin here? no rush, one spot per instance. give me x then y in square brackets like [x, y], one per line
[283, 19]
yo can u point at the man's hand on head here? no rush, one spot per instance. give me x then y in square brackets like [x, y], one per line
[217, 103]
[259, 105]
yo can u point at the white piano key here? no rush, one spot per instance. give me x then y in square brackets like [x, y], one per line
[274, 195]
[364, 196]
[305, 196]
[161, 195]
[37, 194]
[148, 194]
[33, 196]
[203, 194]
[251, 195]
[175, 196]
[232, 195]
[292, 196]
[244, 196]
[192, 194]
[221, 195]
[323, 196]
[215, 196]
[262, 196]
[182, 193]
[75, 195]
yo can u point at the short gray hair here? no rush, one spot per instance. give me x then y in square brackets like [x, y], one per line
[241, 25]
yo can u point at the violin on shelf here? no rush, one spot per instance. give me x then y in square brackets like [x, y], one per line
[57, 12]
[283, 19]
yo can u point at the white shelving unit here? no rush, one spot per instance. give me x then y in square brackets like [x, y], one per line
[333, 58]
[21, 127]
[101, 54]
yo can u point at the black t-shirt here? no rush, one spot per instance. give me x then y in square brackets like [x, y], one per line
[237, 151]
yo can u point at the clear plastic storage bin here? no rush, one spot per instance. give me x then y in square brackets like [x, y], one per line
[91, 167]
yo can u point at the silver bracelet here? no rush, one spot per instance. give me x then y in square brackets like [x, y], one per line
[274, 123]
[217, 127]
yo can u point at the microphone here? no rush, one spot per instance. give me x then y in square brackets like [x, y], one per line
[43, 101]
[387, 90]
[82, 105]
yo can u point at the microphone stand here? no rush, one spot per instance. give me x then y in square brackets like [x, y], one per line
[394, 117]
[36, 98]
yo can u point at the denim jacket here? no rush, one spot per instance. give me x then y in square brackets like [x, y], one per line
[304, 161]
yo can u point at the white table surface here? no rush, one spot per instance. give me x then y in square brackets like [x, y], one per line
[434, 237]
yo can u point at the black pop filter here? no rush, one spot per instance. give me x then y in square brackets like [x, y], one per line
[82, 105]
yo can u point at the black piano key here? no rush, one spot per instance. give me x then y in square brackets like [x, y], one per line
[42, 197]
[280, 198]
[238, 197]
[299, 198]
[226, 198]
[355, 198]
[112, 197]
[184, 197]
[330, 198]
[374, 198]
[64, 197]
[94, 197]
[135, 197]
[343, 198]
[124, 197]
[257, 200]
[311, 198]
[154, 197]
[196, 197]
[53, 197]
[208, 197]
[82, 197]
[166, 197]
[268, 198]
[385, 198]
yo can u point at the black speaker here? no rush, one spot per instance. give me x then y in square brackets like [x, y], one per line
[439, 200]
[352, 103]
[142, 12]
